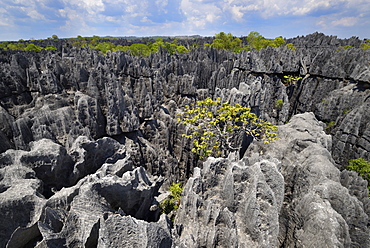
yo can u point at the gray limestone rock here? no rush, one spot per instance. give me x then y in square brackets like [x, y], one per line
[21, 202]
[90, 155]
[100, 206]
[125, 231]
[231, 203]
[315, 202]
[6, 133]
[59, 107]
[89, 115]
[288, 193]
[48, 161]
[352, 136]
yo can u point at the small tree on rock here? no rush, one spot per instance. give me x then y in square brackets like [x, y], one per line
[214, 126]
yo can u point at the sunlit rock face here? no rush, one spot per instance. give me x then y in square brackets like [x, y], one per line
[288, 193]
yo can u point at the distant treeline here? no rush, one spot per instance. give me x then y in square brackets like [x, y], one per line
[146, 46]
[221, 41]
[25, 46]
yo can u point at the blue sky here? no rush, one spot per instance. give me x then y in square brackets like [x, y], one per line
[26, 19]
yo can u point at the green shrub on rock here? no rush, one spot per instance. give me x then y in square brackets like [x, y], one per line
[279, 104]
[214, 126]
[173, 201]
[290, 79]
[365, 45]
[362, 167]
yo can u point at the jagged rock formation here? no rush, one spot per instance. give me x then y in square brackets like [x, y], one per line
[89, 213]
[320, 41]
[285, 194]
[74, 124]
[117, 94]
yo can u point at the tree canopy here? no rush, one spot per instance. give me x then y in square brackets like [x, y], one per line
[224, 41]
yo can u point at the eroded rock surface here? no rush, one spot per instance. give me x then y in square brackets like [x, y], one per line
[114, 199]
[285, 194]
[81, 131]
[231, 204]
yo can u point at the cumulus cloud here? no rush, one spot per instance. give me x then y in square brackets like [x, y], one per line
[35, 15]
[90, 6]
[238, 12]
[205, 17]
[345, 21]
[161, 5]
[4, 19]
[199, 13]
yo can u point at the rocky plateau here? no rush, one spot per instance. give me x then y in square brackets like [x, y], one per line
[89, 144]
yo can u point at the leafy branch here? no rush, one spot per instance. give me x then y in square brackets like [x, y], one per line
[214, 126]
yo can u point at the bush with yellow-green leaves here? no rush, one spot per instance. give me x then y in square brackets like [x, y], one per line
[173, 201]
[213, 127]
[290, 79]
[362, 167]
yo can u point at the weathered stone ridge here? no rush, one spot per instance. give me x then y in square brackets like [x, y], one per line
[284, 194]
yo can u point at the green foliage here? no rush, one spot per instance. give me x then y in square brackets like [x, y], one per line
[257, 41]
[224, 41]
[279, 104]
[50, 48]
[290, 79]
[182, 49]
[136, 49]
[365, 45]
[291, 46]
[33, 47]
[55, 37]
[173, 201]
[21, 46]
[16, 46]
[3, 45]
[104, 47]
[80, 43]
[171, 47]
[344, 47]
[362, 167]
[330, 125]
[154, 47]
[325, 101]
[346, 111]
[214, 126]
[139, 50]
[277, 42]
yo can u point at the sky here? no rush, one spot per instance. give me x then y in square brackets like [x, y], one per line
[39, 19]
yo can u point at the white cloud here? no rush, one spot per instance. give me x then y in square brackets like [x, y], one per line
[90, 6]
[4, 19]
[161, 5]
[345, 21]
[35, 15]
[270, 8]
[205, 17]
[199, 13]
[238, 12]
